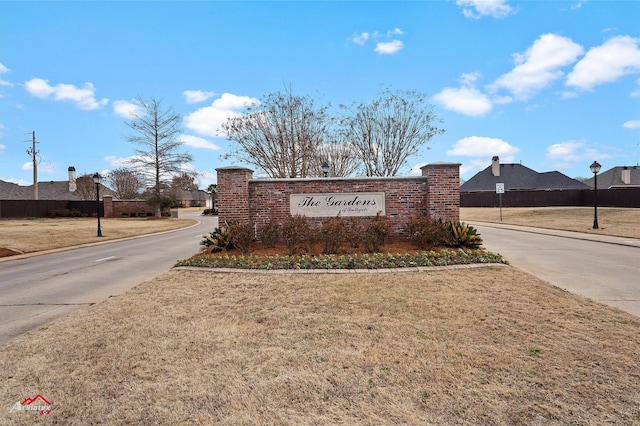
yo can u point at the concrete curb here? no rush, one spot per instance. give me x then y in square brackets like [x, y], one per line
[336, 271]
[608, 239]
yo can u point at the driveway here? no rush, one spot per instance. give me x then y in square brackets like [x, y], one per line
[605, 269]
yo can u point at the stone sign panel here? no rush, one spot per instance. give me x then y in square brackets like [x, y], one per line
[334, 204]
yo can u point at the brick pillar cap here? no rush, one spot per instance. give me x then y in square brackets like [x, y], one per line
[440, 164]
[234, 168]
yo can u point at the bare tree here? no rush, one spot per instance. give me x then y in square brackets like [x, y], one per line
[184, 181]
[281, 135]
[388, 130]
[339, 156]
[126, 183]
[157, 131]
[86, 187]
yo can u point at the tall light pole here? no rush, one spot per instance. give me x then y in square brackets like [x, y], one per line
[595, 169]
[97, 179]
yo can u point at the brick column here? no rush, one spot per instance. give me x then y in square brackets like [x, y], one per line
[233, 194]
[107, 206]
[443, 190]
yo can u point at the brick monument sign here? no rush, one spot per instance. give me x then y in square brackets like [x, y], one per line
[257, 201]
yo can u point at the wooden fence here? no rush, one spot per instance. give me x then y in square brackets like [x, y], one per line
[624, 197]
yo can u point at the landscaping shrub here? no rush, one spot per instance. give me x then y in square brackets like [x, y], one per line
[332, 234]
[426, 233]
[242, 236]
[65, 213]
[463, 235]
[221, 239]
[270, 233]
[376, 233]
[354, 230]
[297, 233]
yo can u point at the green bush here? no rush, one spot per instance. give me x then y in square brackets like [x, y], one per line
[376, 233]
[463, 235]
[426, 233]
[221, 239]
[332, 234]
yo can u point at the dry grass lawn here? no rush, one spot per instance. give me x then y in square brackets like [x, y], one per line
[490, 346]
[621, 222]
[30, 235]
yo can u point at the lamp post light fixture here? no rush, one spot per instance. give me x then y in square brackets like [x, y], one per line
[595, 169]
[97, 179]
[325, 169]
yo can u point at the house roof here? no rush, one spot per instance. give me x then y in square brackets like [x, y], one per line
[52, 190]
[517, 177]
[613, 178]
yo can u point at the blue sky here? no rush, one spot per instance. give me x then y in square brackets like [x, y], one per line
[552, 84]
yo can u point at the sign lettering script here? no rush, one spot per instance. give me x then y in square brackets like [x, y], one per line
[334, 204]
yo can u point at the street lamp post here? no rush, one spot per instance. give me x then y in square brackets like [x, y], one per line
[325, 169]
[595, 169]
[97, 179]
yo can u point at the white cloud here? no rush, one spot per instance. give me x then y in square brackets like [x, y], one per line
[127, 109]
[476, 9]
[2, 148]
[195, 96]
[45, 168]
[617, 57]
[573, 151]
[480, 146]
[467, 99]
[84, 97]
[539, 65]
[4, 70]
[389, 47]
[114, 161]
[208, 120]
[631, 124]
[196, 142]
[361, 38]
[386, 43]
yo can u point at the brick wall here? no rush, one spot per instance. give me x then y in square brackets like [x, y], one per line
[129, 207]
[436, 193]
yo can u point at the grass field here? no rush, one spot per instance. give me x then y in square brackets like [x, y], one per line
[490, 345]
[31, 235]
[619, 222]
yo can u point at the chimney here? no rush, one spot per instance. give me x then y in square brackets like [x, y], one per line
[495, 166]
[72, 179]
[626, 175]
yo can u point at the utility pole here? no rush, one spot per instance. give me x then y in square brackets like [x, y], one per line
[33, 153]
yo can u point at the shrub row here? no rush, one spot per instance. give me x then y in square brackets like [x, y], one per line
[298, 234]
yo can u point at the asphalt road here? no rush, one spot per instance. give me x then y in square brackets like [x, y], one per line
[602, 268]
[35, 290]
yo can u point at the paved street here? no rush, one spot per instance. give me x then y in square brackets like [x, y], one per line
[602, 268]
[35, 290]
